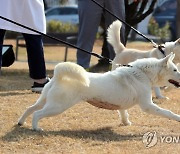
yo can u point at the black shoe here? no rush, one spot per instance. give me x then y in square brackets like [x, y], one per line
[38, 87]
[101, 66]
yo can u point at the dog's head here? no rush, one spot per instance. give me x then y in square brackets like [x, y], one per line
[169, 74]
[175, 48]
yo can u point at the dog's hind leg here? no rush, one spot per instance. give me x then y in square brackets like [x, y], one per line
[156, 110]
[50, 109]
[38, 105]
[123, 114]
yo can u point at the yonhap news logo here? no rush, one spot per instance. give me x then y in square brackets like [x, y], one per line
[151, 138]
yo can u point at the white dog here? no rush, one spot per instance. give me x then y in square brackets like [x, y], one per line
[120, 89]
[125, 56]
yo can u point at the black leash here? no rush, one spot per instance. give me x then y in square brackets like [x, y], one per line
[138, 32]
[83, 50]
[160, 47]
[58, 40]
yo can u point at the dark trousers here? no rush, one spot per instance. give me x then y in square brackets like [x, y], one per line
[35, 53]
[89, 19]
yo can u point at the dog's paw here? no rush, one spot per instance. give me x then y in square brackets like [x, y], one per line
[178, 119]
[37, 129]
[20, 123]
[162, 97]
[127, 123]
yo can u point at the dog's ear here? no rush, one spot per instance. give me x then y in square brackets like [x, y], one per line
[177, 42]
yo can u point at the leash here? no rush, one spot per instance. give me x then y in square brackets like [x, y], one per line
[135, 30]
[161, 50]
[83, 50]
[58, 40]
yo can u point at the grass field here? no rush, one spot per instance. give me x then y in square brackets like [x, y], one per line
[82, 129]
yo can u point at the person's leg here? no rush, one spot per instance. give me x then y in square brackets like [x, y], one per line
[2, 33]
[35, 55]
[89, 19]
[36, 62]
[105, 50]
[103, 65]
[117, 7]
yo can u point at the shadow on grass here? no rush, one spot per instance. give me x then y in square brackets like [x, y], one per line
[15, 93]
[12, 80]
[103, 134]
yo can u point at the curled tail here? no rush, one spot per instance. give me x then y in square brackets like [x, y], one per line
[71, 71]
[113, 36]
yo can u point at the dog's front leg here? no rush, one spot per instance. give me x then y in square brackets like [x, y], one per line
[156, 110]
[123, 114]
[158, 94]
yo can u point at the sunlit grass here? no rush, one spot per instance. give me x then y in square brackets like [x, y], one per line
[82, 129]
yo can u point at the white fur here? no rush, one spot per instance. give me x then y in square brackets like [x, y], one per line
[125, 56]
[123, 87]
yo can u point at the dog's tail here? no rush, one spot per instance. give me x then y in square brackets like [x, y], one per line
[113, 36]
[72, 71]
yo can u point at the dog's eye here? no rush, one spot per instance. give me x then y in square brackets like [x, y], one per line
[175, 70]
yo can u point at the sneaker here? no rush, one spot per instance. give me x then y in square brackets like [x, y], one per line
[38, 87]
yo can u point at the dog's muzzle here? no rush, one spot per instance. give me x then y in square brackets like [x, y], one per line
[175, 83]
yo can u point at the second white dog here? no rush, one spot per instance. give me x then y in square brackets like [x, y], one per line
[125, 55]
[116, 90]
